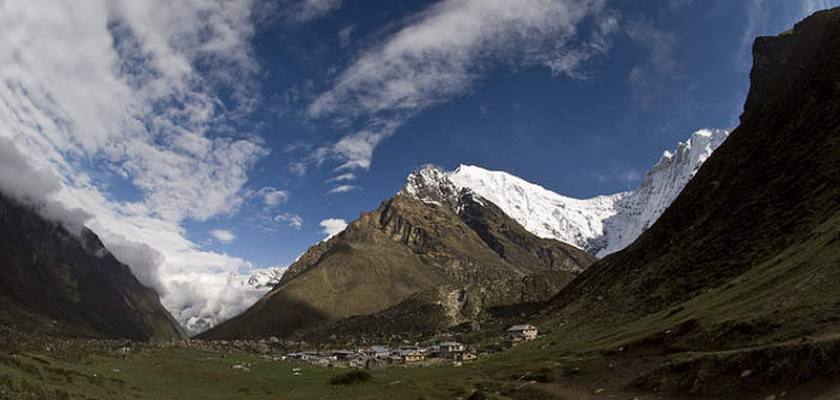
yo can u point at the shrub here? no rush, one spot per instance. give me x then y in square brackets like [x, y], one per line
[350, 378]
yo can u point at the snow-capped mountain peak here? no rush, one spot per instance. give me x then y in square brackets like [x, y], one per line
[432, 185]
[600, 225]
[541, 211]
[637, 211]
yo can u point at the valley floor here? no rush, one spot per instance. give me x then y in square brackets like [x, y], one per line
[540, 370]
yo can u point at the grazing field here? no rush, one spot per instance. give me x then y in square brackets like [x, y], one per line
[544, 369]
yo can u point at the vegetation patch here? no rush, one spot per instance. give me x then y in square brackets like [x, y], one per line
[350, 378]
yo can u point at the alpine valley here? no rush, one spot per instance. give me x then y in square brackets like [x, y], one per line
[717, 278]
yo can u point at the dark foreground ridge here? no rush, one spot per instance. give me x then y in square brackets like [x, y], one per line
[53, 282]
[749, 253]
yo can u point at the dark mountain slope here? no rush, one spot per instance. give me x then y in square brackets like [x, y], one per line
[56, 283]
[749, 253]
[406, 246]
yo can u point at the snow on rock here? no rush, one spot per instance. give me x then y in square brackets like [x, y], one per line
[266, 278]
[541, 211]
[637, 211]
[600, 225]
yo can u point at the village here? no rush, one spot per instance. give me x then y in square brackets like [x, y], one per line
[381, 356]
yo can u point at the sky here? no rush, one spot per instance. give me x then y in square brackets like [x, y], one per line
[203, 140]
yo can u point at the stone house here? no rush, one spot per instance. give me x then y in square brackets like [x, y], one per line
[522, 333]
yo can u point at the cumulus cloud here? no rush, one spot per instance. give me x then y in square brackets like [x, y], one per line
[223, 235]
[143, 93]
[443, 51]
[332, 226]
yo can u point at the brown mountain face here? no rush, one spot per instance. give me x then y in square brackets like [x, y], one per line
[53, 282]
[405, 247]
[749, 253]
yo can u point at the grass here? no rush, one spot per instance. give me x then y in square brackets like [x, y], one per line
[177, 373]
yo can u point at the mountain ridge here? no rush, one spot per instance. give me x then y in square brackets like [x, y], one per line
[603, 224]
[748, 252]
[54, 282]
[402, 248]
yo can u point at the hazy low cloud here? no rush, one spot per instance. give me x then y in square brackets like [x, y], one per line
[332, 226]
[35, 187]
[20, 180]
[443, 51]
[145, 262]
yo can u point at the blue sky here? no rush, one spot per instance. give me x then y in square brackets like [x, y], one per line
[203, 139]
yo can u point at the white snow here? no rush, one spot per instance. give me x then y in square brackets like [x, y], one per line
[266, 278]
[600, 225]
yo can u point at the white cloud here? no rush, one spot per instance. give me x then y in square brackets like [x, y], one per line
[295, 221]
[293, 13]
[223, 235]
[103, 90]
[274, 197]
[27, 184]
[310, 9]
[342, 178]
[20, 180]
[332, 226]
[342, 189]
[443, 51]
